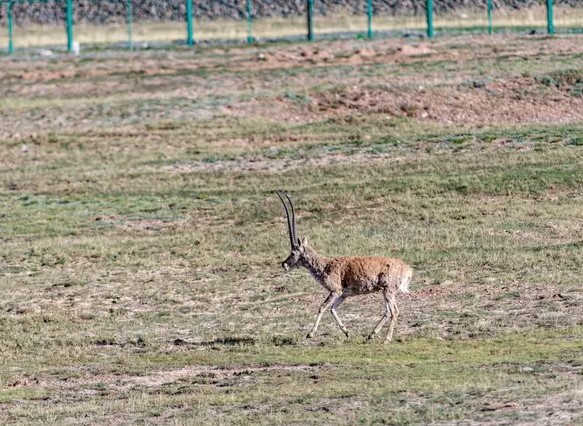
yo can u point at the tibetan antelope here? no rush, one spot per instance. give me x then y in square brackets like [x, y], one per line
[345, 277]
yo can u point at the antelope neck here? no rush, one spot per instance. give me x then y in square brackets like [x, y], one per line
[315, 263]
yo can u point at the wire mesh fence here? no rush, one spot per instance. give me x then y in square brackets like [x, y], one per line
[68, 24]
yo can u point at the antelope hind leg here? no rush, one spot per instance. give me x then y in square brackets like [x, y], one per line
[383, 320]
[394, 316]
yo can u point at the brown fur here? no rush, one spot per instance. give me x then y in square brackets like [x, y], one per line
[345, 277]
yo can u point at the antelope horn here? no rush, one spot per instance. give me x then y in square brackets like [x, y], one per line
[293, 221]
[291, 228]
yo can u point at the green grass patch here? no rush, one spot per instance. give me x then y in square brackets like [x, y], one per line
[141, 240]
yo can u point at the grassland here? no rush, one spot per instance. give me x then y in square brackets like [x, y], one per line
[140, 239]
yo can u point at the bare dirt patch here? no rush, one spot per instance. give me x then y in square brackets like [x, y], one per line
[343, 53]
[390, 51]
[125, 382]
[521, 100]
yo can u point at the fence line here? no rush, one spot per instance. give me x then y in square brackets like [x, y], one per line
[189, 23]
[190, 17]
[429, 13]
[489, 8]
[70, 25]
[310, 15]
[369, 19]
[550, 19]
[9, 13]
[129, 23]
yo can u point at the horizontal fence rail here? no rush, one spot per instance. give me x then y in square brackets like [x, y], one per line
[190, 6]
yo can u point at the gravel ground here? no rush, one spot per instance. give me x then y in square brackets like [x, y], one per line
[50, 12]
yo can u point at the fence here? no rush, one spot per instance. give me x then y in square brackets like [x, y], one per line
[366, 19]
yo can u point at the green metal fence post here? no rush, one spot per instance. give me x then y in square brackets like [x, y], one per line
[10, 27]
[70, 25]
[489, 16]
[369, 19]
[429, 13]
[129, 22]
[249, 22]
[550, 20]
[189, 24]
[310, 20]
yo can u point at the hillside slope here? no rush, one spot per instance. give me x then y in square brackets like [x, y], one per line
[108, 11]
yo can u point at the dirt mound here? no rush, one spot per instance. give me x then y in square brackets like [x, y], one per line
[520, 100]
[415, 50]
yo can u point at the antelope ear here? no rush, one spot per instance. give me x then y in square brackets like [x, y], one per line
[304, 241]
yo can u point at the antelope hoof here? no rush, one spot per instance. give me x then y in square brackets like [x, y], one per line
[345, 332]
[310, 335]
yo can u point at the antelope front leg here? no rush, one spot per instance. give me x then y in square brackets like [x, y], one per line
[325, 305]
[337, 303]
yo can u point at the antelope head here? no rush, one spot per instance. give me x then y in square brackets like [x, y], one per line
[296, 256]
